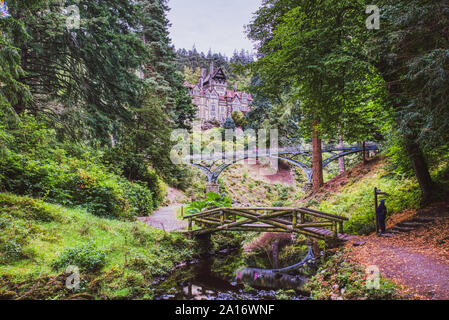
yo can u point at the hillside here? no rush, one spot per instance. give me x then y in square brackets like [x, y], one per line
[117, 259]
[414, 253]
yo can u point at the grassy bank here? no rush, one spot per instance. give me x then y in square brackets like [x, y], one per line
[337, 279]
[117, 259]
[352, 195]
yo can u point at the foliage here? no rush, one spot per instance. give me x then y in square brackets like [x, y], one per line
[362, 84]
[130, 254]
[65, 76]
[192, 75]
[190, 61]
[86, 257]
[339, 279]
[239, 119]
[74, 66]
[213, 200]
[33, 163]
[229, 124]
[356, 200]
[165, 84]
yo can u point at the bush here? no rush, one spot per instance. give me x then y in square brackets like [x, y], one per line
[86, 257]
[136, 169]
[212, 200]
[41, 169]
[27, 208]
[239, 119]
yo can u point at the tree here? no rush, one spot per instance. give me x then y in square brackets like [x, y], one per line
[239, 119]
[412, 56]
[93, 66]
[192, 75]
[360, 83]
[161, 67]
[12, 90]
[229, 124]
[306, 59]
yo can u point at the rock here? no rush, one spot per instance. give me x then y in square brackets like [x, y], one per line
[360, 243]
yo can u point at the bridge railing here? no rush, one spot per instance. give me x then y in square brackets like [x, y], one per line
[305, 221]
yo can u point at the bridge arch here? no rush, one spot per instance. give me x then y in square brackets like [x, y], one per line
[213, 175]
[287, 156]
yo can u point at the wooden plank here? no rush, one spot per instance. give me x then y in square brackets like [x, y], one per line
[266, 216]
[203, 213]
[265, 220]
[328, 215]
[207, 221]
[329, 233]
[250, 211]
[315, 224]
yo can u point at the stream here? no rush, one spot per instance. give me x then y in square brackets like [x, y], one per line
[224, 277]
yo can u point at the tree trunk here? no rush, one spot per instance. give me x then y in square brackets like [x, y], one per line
[317, 158]
[341, 161]
[421, 169]
[364, 152]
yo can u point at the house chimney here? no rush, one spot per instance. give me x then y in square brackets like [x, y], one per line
[211, 69]
[235, 86]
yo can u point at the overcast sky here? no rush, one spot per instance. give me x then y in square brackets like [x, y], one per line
[211, 24]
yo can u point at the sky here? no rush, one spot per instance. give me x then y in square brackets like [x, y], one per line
[211, 24]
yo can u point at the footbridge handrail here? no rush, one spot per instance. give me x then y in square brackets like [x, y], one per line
[304, 221]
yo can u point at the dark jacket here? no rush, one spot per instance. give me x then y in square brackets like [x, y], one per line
[381, 211]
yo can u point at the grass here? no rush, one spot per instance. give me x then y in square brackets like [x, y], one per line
[134, 253]
[356, 199]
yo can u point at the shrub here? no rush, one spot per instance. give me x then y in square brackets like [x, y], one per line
[27, 208]
[86, 257]
[135, 168]
[212, 200]
[33, 164]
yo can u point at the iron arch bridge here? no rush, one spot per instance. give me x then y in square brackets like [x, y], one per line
[213, 165]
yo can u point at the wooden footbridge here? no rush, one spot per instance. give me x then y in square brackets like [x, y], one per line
[311, 223]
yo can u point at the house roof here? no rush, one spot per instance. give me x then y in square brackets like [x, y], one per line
[232, 94]
[214, 74]
[186, 84]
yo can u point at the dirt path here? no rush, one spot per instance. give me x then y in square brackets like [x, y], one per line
[422, 268]
[165, 219]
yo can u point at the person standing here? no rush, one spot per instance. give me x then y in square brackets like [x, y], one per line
[381, 215]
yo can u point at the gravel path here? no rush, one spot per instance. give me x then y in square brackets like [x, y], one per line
[165, 219]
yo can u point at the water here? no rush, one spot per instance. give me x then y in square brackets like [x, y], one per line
[214, 278]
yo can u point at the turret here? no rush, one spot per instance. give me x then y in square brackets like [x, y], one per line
[211, 68]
